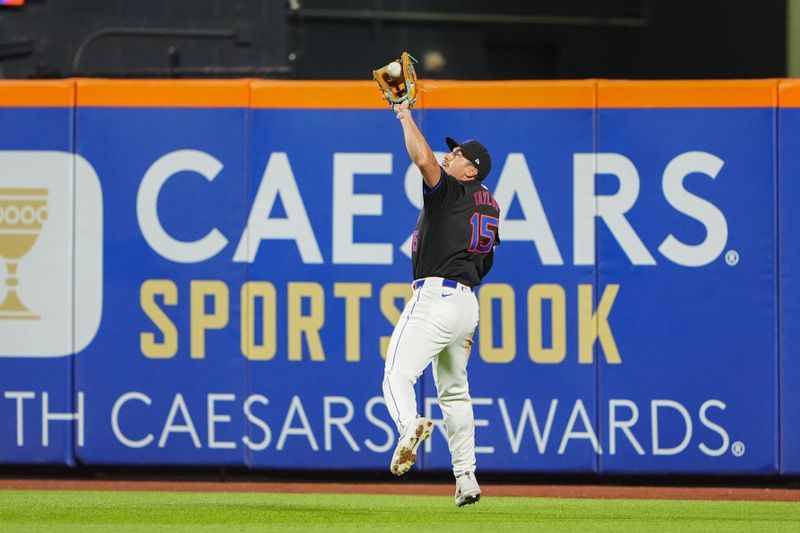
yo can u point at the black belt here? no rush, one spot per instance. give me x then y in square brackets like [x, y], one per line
[451, 283]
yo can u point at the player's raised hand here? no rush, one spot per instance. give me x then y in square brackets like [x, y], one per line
[401, 108]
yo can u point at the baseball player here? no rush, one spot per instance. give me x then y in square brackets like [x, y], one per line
[452, 250]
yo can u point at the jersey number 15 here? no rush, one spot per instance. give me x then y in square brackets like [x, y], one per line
[484, 232]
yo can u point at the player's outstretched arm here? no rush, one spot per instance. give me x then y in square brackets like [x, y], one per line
[418, 148]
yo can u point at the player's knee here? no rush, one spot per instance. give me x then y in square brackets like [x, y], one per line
[397, 376]
[454, 395]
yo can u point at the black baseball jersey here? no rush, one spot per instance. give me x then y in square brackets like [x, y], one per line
[456, 231]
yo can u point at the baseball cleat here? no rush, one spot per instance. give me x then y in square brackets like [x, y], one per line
[405, 454]
[467, 489]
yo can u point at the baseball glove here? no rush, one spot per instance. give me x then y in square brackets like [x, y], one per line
[398, 80]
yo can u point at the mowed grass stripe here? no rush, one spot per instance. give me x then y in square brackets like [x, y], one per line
[54, 511]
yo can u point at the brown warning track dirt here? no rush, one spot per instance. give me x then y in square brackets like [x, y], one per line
[531, 491]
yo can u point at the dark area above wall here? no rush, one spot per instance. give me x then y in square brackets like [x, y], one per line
[319, 39]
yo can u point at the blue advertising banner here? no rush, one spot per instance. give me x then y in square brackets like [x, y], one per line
[215, 272]
[357, 181]
[686, 234]
[329, 213]
[158, 377]
[532, 382]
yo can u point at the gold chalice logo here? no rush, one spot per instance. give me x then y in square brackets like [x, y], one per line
[22, 214]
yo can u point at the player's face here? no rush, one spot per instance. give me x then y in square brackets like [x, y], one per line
[459, 166]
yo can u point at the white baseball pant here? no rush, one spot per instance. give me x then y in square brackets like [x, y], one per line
[436, 327]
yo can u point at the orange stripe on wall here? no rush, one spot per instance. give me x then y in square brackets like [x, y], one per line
[508, 94]
[30, 93]
[163, 93]
[701, 93]
[789, 93]
[434, 94]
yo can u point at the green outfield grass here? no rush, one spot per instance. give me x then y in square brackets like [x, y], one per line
[54, 511]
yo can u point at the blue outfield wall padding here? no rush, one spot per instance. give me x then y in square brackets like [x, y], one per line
[164, 380]
[534, 399]
[232, 302]
[790, 289]
[694, 319]
[328, 214]
[37, 412]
